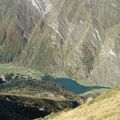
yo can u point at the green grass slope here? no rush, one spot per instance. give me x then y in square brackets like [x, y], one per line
[105, 107]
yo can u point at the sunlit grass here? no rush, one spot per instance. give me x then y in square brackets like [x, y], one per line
[105, 107]
[10, 68]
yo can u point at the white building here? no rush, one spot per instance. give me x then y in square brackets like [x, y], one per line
[2, 78]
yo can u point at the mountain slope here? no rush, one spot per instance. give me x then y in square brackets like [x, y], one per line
[105, 107]
[17, 19]
[79, 38]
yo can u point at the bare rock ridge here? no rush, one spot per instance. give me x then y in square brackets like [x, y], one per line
[80, 38]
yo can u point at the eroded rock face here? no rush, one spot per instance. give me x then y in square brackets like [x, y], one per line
[80, 38]
[17, 19]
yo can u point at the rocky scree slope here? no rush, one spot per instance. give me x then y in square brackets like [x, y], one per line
[80, 38]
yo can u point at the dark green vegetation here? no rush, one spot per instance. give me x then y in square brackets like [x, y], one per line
[21, 84]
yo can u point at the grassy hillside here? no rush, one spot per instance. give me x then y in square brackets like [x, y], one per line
[10, 68]
[105, 107]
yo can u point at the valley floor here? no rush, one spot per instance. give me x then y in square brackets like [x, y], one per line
[28, 90]
[84, 86]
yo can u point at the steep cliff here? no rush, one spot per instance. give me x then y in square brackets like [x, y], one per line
[80, 38]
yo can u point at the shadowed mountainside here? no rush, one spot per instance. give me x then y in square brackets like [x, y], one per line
[15, 107]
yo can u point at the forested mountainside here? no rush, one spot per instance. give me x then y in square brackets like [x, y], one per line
[79, 38]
